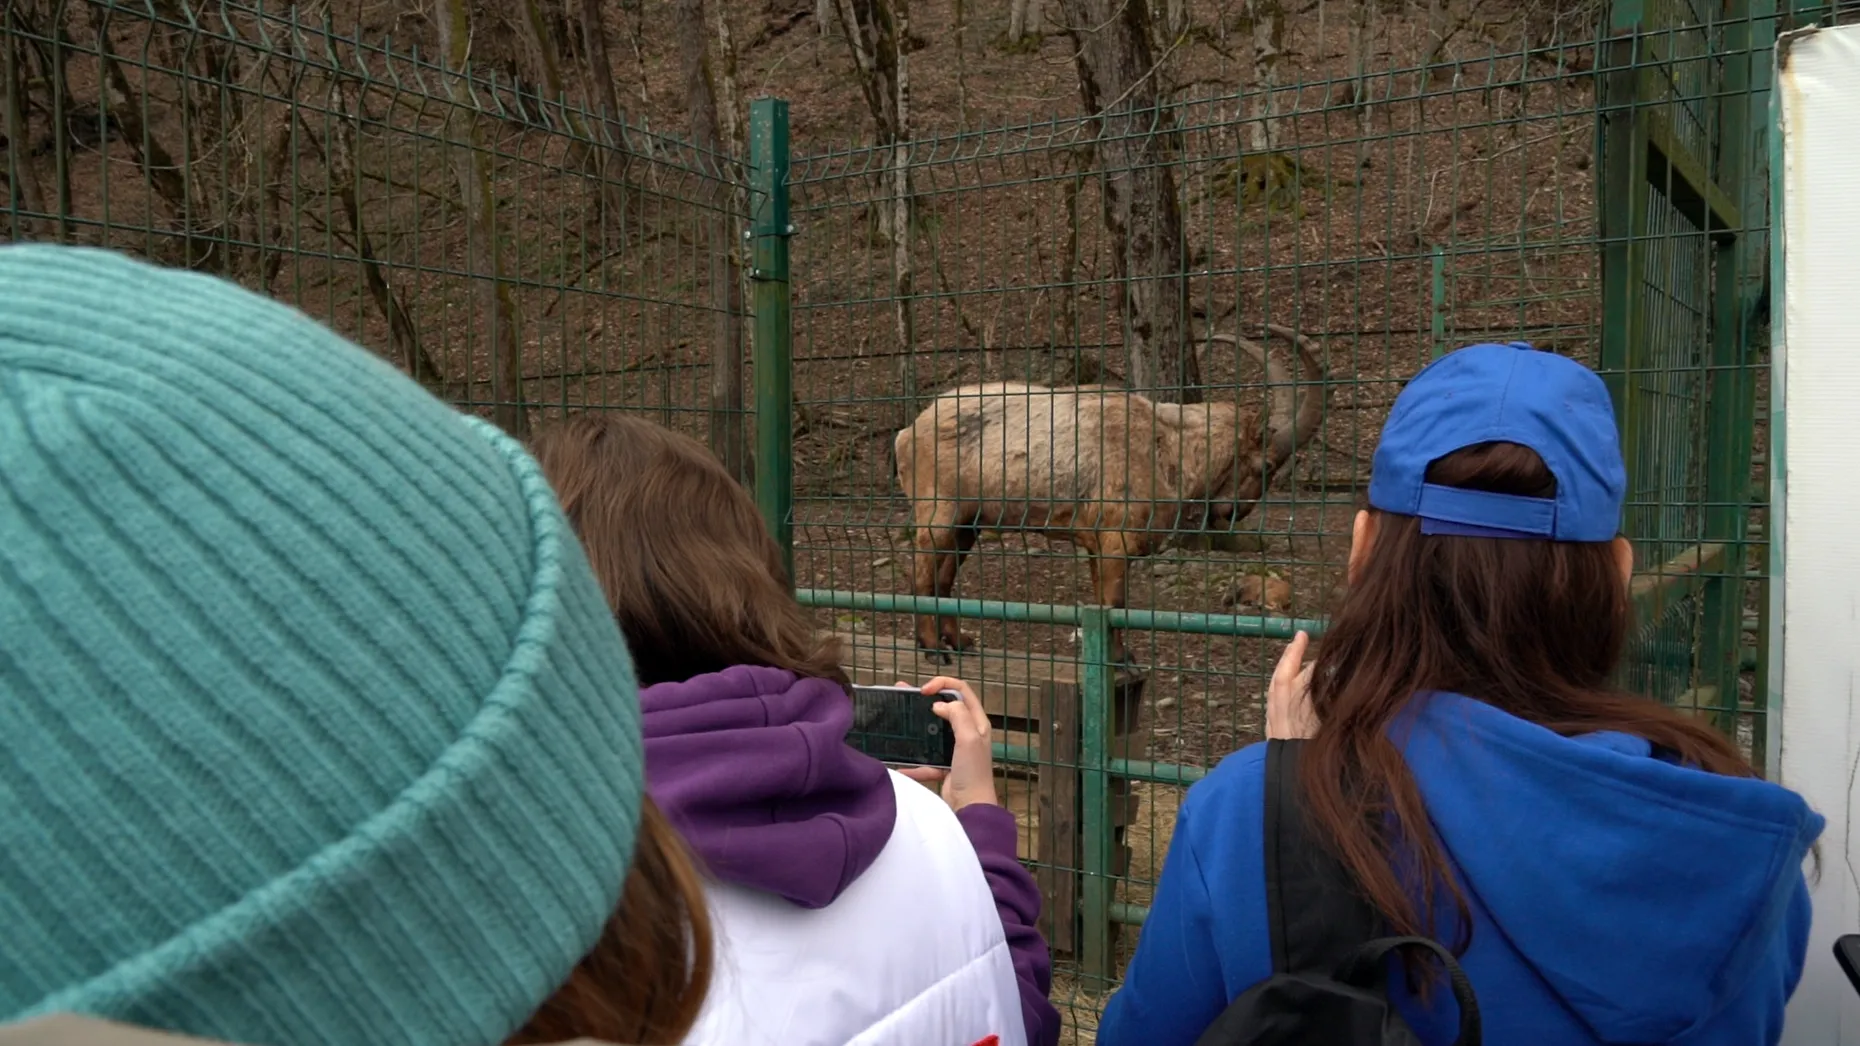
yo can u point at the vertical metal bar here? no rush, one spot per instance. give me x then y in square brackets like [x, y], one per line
[1094, 769]
[1732, 404]
[1440, 301]
[1776, 532]
[774, 356]
[1623, 173]
[1754, 272]
[1622, 193]
[61, 149]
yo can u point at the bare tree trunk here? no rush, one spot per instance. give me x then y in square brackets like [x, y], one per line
[729, 106]
[1175, 19]
[962, 66]
[634, 33]
[403, 335]
[870, 33]
[875, 32]
[1024, 19]
[615, 165]
[50, 46]
[544, 55]
[1359, 51]
[902, 206]
[727, 436]
[473, 167]
[1141, 211]
[1359, 76]
[22, 174]
[1166, 32]
[272, 207]
[1268, 46]
[118, 98]
[1069, 266]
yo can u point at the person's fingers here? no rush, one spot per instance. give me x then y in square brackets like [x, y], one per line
[978, 716]
[969, 722]
[967, 712]
[1293, 659]
[942, 683]
[929, 775]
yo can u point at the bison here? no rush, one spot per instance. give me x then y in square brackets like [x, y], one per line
[1114, 472]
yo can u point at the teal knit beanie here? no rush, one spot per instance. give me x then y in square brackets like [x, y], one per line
[314, 725]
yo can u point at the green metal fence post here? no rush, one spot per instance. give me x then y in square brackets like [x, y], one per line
[1754, 275]
[1095, 786]
[1732, 404]
[774, 349]
[1622, 192]
[1775, 594]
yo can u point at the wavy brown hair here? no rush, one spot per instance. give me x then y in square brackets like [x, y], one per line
[689, 569]
[1533, 628]
[644, 981]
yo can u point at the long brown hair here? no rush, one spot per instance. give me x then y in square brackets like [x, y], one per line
[690, 571]
[644, 981]
[1534, 628]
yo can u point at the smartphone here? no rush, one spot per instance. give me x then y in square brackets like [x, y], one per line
[1847, 953]
[895, 724]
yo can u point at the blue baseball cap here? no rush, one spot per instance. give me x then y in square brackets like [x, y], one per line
[1508, 393]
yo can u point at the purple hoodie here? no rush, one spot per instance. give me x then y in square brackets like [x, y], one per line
[752, 767]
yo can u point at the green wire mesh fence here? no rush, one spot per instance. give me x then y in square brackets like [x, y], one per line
[517, 255]
[1592, 178]
[1583, 194]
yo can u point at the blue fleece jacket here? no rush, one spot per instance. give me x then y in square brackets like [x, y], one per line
[1616, 897]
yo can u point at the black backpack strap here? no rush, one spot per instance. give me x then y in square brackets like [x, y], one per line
[1320, 923]
[1317, 916]
[1364, 968]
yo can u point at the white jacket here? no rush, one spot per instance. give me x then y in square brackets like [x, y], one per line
[885, 964]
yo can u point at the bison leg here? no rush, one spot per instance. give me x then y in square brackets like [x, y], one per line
[941, 545]
[1109, 568]
[948, 628]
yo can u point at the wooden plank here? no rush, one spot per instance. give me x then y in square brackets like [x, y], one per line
[1060, 849]
[1127, 742]
[1681, 178]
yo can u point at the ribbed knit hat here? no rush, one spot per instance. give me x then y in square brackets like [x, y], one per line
[314, 725]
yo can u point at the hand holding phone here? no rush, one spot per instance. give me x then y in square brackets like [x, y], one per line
[970, 779]
[899, 725]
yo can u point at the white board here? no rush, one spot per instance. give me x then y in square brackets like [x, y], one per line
[1816, 609]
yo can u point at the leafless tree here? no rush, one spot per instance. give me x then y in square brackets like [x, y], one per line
[877, 32]
[614, 167]
[121, 101]
[1268, 20]
[472, 166]
[21, 176]
[727, 436]
[338, 149]
[1142, 213]
[1024, 20]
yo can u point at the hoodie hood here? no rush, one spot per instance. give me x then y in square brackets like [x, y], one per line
[752, 767]
[1669, 887]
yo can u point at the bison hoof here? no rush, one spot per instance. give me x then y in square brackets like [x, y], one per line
[946, 648]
